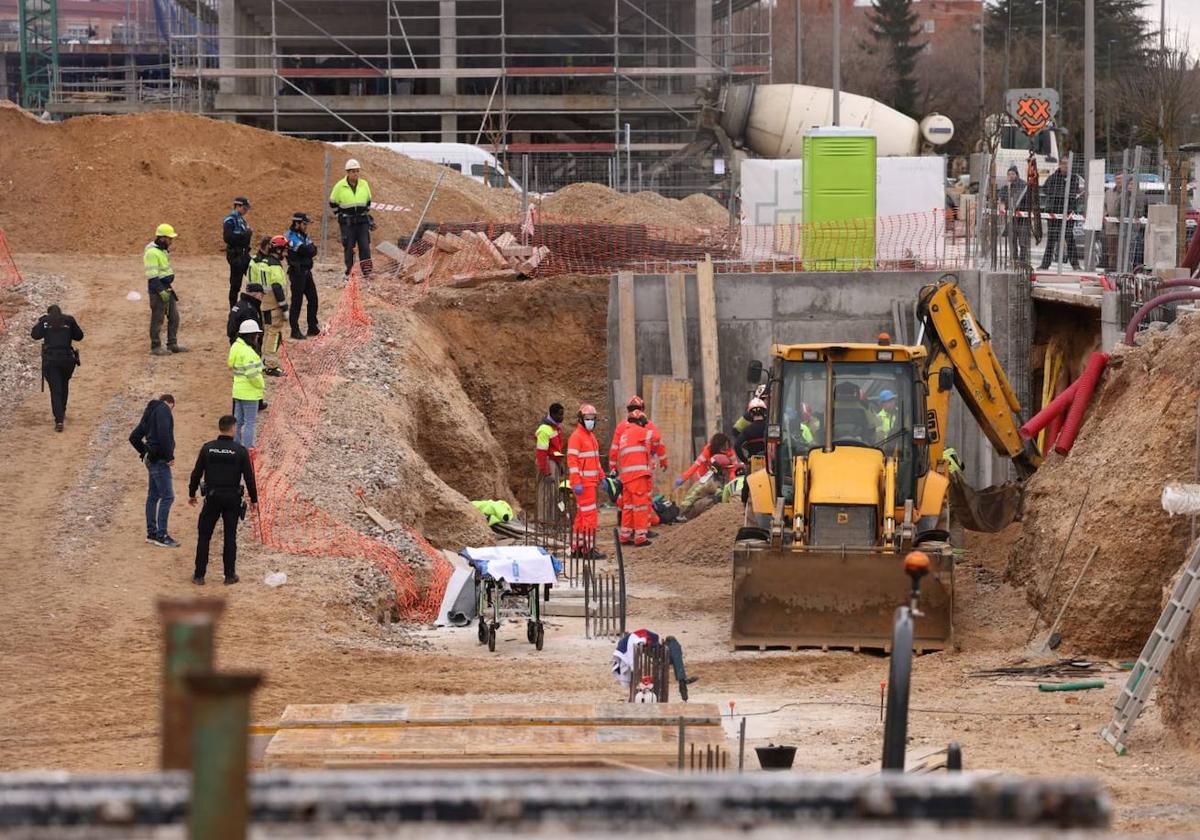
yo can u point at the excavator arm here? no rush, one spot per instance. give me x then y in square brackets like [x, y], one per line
[958, 343]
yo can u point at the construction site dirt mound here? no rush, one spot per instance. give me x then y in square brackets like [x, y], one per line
[1139, 435]
[101, 184]
[598, 203]
[518, 347]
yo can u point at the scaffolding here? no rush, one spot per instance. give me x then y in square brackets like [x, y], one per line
[594, 90]
[37, 21]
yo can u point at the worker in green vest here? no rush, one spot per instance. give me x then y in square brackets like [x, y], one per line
[160, 277]
[351, 200]
[888, 419]
[953, 462]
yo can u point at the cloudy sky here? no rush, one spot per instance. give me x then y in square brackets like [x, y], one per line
[1183, 17]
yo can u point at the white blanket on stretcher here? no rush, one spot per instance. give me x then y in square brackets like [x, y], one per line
[515, 564]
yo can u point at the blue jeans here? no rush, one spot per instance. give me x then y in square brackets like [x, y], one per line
[246, 412]
[159, 497]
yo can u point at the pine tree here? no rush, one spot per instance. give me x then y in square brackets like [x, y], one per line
[1120, 27]
[894, 29]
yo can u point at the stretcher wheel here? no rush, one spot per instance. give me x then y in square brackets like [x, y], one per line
[530, 631]
[540, 637]
[483, 633]
[491, 638]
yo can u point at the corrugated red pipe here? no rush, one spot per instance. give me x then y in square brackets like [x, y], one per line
[1056, 407]
[1087, 386]
[1153, 303]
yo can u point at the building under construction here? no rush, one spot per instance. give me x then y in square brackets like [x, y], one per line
[596, 90]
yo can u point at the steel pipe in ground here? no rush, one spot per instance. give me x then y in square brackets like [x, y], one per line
[189, 627]
[219, 808]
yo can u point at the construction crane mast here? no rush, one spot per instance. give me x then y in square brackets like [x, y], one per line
[38, 21]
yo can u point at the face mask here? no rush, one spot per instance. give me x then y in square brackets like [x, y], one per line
[589, 424]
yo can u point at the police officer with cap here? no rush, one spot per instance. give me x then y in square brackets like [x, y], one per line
[221, 467]
[237, 235]
[301, 253]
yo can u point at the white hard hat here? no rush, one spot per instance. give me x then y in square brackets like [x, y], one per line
[249, 326]
[352, 164]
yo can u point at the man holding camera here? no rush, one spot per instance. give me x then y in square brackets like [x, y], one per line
[222, 465]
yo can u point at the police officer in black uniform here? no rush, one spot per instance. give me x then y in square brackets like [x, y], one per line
[237, 235]
[56, 331]
[222, 465]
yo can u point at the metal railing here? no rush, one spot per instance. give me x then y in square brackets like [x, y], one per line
[604, 598]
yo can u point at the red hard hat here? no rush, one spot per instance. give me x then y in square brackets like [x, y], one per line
[722, 462]
[279, 242]
[587, 408]
[635, 402]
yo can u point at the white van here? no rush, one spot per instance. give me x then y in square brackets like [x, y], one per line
[472, 161]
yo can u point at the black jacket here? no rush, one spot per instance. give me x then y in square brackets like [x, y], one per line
[247, 308]
[751, 441]
[236, 233]
[1054, 188]
[223, 465]
[56, 341]
[155, 432]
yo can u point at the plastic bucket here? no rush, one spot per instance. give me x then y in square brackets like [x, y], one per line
[776, 758]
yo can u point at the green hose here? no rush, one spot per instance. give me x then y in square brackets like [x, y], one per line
[1082, 685]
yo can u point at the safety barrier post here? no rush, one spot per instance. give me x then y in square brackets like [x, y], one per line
[189, 628]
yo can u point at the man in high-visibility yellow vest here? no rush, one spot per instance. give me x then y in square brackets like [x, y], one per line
[266, 269]
[351, 199]
[246, 366]
[887, 418]
[164, 303]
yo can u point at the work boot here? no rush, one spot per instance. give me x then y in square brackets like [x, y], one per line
[199, 581]
[177, 348]
[298, 336]
[230, 580]
[314, 331]
[159, 351]
[58, 427]
[262, 405]
[1075, 267]
[273, 372]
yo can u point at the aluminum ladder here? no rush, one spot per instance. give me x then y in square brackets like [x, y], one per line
[1154, 655]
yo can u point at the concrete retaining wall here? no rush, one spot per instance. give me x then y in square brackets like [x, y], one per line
[757, 310]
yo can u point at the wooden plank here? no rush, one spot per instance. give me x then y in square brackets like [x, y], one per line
[382, 521]
[710, 369]
[677, 324]
[466, 713]
[669, 402]
[626, 336]
[478, 278]
[503, 241]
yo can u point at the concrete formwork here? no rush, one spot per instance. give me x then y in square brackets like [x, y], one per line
[757, 310]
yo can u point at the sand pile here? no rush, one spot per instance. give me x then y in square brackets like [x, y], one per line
[516, 348]
[1140, 435]
[101, 184]
[597, 203]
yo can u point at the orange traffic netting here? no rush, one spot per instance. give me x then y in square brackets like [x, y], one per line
[291, 523]
[912, 241]
[10, 275]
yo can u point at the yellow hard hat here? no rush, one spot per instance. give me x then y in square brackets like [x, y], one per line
[165, 230]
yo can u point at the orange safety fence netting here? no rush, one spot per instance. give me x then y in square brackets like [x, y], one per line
[289, 522]
[935, 239]
[10, 275]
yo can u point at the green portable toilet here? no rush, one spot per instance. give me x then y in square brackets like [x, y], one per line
[839, 199]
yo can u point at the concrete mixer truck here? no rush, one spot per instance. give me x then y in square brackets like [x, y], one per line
[770, 121]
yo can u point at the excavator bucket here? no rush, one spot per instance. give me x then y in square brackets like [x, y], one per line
[835, 598]
[988, 510]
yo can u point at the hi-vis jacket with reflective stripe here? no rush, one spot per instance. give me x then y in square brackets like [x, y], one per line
[268, 273]
[247, 370]
[658, 447]
[348, 199]
[583, 458]
[157, 263]
[633, 452]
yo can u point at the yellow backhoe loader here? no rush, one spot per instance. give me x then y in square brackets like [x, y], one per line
[855, 476]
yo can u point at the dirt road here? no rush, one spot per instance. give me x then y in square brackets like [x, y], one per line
[79, 654]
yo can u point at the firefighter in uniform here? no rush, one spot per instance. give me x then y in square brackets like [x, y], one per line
[266, 269]
[222, 466]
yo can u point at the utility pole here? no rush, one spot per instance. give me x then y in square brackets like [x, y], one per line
[799, 44]
[982, 86]
[1162, 57]
[1044, 2]
[837, 62]
[1089, 80]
